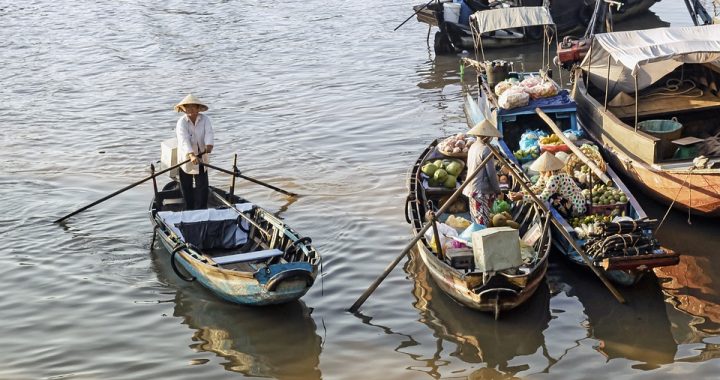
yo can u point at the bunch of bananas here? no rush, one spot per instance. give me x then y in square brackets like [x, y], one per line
[551, 140]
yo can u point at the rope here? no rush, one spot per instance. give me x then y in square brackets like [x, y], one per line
[676, 197]
[672, 88]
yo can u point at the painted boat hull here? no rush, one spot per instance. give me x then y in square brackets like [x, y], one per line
[274, 284]
[698, 191]
[234, 287]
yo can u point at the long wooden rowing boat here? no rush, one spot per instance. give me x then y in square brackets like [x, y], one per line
[625, 269]
[481, 290]
[235, 249]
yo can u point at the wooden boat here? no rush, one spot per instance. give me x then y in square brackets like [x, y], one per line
[455, 272]
[624, 268]
[570, 16]
[233, 248]
[616, 112]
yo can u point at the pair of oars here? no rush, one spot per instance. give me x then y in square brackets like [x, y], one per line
[155, 174]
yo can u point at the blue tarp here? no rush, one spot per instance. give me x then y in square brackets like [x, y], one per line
[559, 102]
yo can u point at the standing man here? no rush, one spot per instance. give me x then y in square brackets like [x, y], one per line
[194, 137]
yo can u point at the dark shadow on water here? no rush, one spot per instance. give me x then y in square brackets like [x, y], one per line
[273, 341]
[638, 330]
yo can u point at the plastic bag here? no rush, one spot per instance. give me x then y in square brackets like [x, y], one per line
[513, 97]
[467, 234]
[446, 233]
[502, 87]
[572, 135]
[529, 139]
[457, 222]
[500, 206]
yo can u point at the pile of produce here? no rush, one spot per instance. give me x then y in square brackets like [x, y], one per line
[602, 195]
[589, 225]
[443, 173]
[524, 155]
[456, 145]
[553, 139]
[503, 219]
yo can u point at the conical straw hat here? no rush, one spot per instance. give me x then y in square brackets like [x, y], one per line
[547, 163]
[622, 100]
[190, 99]
[484, 129]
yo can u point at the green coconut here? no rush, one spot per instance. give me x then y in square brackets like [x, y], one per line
[429, 169]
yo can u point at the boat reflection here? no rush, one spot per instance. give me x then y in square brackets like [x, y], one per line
[275, 341]
[478, 337]
[694, 295]
[638, 330]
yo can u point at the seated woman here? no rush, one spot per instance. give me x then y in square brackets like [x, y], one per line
[555, 187]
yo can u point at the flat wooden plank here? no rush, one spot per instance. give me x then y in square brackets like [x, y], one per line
[245, 257]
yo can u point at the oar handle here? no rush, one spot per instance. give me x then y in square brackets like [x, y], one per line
[251, 180]
[411, 16]
[354, 308]
[122, 190]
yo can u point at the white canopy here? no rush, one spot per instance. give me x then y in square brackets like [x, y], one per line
[514, 17]
[648, 54]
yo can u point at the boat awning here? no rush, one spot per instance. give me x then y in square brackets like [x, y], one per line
[648, 54]
[514, 17]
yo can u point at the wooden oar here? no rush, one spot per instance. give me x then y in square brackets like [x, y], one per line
[252, 180]
[122, 190]
[418, 236]
[411, 16]
[557, 224]
[579, 153]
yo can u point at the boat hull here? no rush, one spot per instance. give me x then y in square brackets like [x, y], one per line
[697, 190]
[461, 289]
[235, 287]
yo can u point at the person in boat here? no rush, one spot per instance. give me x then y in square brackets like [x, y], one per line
[555, 187]
[195, 135]
[485, 187]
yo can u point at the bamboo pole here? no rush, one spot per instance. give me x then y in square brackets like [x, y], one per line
[579, 153]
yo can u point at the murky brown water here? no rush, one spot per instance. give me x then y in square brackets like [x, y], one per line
[319, 98]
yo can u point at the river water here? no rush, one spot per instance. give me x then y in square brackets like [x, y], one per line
[319, 98]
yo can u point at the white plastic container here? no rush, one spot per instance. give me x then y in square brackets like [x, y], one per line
[496, 248]
[451, 12]
[168, 156]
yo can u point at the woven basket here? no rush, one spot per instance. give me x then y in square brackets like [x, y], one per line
[573, 163]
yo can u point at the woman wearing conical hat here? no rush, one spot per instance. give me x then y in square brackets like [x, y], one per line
[195, 135]
[555, 186]
[484, 188]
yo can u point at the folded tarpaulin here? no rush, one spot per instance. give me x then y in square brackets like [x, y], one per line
[648, 54]
[506, 18]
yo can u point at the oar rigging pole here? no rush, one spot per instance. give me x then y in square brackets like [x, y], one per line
[579, 153]
[153, 175]
[418, 236]
[237, 174]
